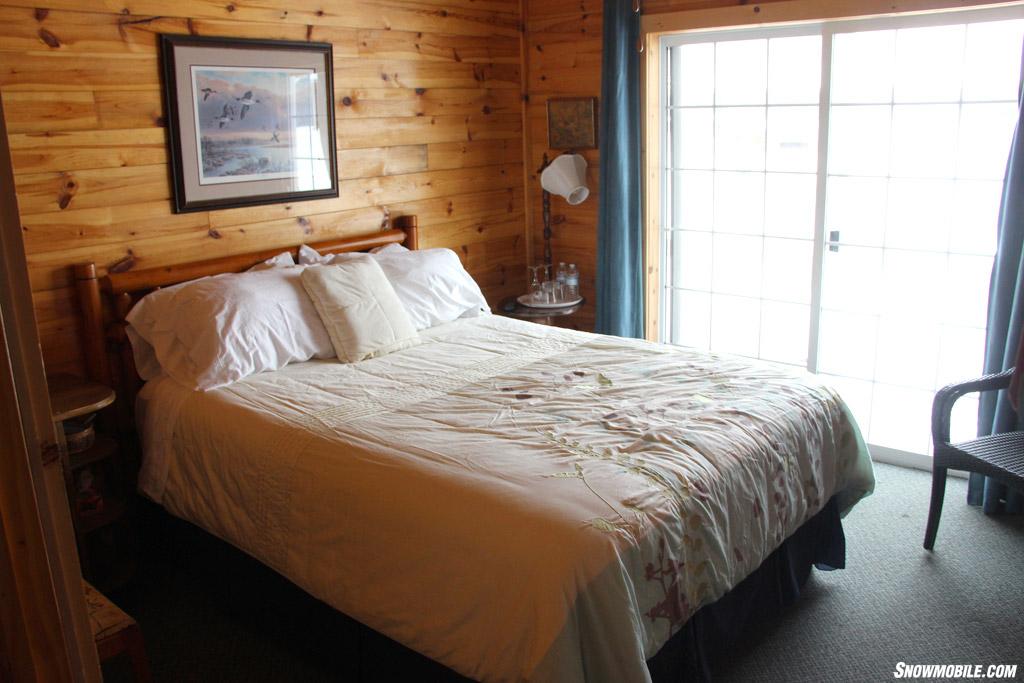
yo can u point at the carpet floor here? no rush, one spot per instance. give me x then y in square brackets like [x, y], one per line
[209, 614]
[895, 602]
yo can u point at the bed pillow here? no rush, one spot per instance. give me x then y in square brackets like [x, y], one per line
[308, 256]
[431, 283]
[359, 308]
[282, 260]
[213, 331]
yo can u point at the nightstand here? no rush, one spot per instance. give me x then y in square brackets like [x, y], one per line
[511, 308]
[97, 481]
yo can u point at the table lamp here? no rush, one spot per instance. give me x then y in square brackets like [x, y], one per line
[566, 177]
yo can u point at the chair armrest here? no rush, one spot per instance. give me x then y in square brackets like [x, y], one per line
[945, 397]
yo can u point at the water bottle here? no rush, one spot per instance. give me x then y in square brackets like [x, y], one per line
[572, 283]
[560, 277]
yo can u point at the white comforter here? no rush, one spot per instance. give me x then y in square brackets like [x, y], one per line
[512, 500]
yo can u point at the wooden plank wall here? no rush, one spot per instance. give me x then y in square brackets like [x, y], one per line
[562, 58]
[429, 121]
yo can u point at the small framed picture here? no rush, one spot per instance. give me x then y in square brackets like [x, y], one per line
[250, 121]
[572, 122]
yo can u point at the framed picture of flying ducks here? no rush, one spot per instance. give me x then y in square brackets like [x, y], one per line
[250, 121]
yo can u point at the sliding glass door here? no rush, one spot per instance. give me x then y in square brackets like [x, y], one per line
[830, 197]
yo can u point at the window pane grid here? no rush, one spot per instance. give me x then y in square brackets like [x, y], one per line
[763, 299]
[731, 235]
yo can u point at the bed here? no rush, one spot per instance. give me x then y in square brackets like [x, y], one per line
[514, 501]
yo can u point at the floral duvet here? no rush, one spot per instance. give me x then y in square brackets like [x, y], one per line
[517, 502]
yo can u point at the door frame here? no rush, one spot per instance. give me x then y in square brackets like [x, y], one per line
[44, 623]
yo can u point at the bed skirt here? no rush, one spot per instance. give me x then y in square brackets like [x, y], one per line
[719, 628]
[344, 649]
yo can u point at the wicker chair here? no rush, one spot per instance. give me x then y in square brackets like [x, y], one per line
[998, 455]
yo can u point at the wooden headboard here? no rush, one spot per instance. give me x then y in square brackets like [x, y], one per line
[105, 300]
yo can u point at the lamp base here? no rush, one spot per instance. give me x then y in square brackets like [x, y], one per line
[546, 206]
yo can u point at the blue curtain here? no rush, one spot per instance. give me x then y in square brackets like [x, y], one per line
[1005, 317]
[620, 299]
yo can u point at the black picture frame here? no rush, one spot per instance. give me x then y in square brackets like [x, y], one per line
[173, 109]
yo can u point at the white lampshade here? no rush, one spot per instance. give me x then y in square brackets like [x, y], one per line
[566, 176]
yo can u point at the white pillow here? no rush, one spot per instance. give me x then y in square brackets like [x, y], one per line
[308, 256]
[431, 283]
[213, 331]
[282, 260]
[359, 308]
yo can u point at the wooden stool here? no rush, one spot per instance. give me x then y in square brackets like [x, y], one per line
[115, 632]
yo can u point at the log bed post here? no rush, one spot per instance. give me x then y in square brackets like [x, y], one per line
[94, 337]
[411, 226]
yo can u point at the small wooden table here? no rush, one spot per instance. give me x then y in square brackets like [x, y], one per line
[72, 396]
[511, 308]
[106, 528]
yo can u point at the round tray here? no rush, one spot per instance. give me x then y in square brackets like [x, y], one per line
[524, 299]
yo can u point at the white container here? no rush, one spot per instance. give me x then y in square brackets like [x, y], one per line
[571, 290]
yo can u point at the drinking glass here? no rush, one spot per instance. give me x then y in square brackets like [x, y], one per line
[550, 293]
[534, 280]
[541, 295]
